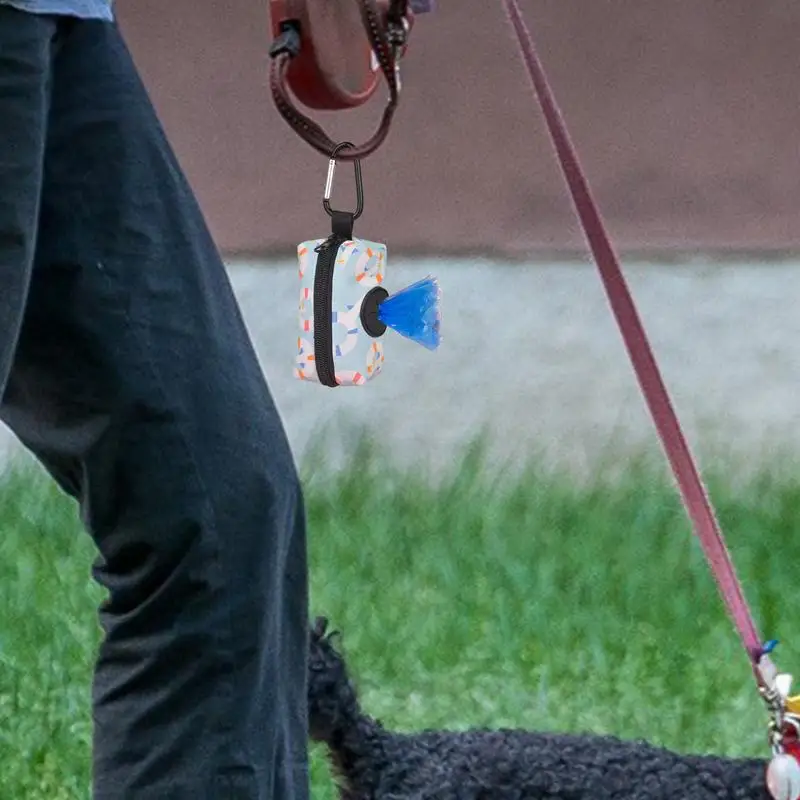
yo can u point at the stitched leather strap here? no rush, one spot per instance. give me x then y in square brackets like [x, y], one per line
[378, 34]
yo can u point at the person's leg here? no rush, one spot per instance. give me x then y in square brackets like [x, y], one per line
[26, 45]
[136, 385]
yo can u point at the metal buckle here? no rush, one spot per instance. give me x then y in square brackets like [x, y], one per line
[775, 688]
[398, 38]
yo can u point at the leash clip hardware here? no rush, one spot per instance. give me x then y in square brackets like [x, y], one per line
[775, 689]
[288, 42]
[326, 197]
[776, 709]
[397, 32]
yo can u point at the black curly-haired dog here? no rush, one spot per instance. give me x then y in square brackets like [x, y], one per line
[372, 763]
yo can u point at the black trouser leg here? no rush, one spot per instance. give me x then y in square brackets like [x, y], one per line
[26, 50]
[136, 385]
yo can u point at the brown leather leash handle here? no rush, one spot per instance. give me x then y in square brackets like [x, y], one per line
[377, 26]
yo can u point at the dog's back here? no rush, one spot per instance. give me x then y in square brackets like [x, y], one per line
[375, 764]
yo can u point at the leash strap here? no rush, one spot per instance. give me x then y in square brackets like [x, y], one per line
[687, 476]
[385, 38]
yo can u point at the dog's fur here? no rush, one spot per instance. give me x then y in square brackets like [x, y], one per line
[372, 763]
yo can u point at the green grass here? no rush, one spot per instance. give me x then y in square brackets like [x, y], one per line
[480, 599]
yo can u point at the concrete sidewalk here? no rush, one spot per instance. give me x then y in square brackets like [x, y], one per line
[532, 355]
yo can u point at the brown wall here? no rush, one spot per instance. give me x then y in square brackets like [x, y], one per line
[686, 114]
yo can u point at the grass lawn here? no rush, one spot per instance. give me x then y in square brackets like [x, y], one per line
[482, 599]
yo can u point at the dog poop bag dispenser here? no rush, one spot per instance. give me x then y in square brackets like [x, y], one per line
[344, 307]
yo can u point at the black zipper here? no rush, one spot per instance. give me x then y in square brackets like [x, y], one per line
[323, 309]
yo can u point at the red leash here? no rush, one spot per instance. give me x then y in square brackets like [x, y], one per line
[783, 772]
[693, 493]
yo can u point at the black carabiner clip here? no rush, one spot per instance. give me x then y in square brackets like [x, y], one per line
[326, 197]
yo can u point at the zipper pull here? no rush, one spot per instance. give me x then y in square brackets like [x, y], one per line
[326, 245]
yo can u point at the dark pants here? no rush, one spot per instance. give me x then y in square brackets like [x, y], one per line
[128, 372]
